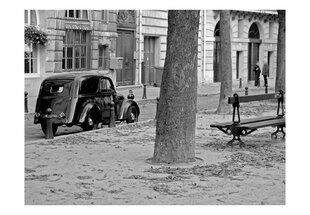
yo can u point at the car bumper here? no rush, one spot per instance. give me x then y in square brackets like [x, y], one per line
[55, 119]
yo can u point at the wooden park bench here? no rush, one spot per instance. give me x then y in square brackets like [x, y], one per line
[238, 127]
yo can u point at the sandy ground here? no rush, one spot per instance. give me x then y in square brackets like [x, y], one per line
[108, 166]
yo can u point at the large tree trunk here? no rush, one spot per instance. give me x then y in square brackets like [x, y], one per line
[176, 116]
[225, 62]
[280, 76]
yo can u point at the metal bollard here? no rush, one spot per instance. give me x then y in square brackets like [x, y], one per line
[49, 125]
[112, 115]
[240, 83]
[26, 102]
[144, 91]
[246, 91]
[131, 95]
[266, 88]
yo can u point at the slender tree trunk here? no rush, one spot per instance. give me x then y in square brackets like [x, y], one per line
[280, 75]
[225, 62]
[176, 116]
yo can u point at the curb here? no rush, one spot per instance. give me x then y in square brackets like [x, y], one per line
[89, 132]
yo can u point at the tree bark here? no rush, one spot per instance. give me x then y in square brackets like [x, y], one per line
[176, 116]
[280, 75]
[225, 62]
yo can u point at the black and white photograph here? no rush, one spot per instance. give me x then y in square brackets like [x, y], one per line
[155, 106]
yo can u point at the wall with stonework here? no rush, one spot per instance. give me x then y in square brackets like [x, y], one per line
[50, 56]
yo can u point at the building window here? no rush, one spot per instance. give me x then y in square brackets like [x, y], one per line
[238, 64]
[31, 17]
[31, 58]
[31, 50]
[103, 57]
[240, 28]
[77, 14]
[105, 15]
[76, 50]
[271, 27]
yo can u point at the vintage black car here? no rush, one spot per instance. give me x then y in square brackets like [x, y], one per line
[82, 99]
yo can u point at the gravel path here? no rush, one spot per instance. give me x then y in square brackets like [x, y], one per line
[109, 166]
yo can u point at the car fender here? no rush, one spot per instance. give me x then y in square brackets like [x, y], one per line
[86, 108]
[125, 105]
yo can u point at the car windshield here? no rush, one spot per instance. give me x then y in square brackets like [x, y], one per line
[56, 87]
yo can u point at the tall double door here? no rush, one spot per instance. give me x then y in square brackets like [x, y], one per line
[125, 49]
[148, 72]
[253, 57]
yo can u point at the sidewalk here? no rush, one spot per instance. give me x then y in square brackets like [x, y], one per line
[204, 89]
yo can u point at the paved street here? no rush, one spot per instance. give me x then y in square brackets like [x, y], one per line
[148, 110]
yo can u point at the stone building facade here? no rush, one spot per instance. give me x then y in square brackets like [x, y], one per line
[253, 38]
[130, 45]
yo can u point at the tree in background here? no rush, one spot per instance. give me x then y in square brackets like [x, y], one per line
[225, 62]
[176, 116]
[280, 76]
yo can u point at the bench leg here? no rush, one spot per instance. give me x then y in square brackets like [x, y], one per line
[236, 138]
[279, 129]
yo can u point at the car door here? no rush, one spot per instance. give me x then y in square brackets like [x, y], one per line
[105, 91]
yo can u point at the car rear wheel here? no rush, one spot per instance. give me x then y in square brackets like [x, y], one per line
[43, 127]
[91, 121]
[132, 114]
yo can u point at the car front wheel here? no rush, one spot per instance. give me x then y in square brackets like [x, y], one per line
[132, 114]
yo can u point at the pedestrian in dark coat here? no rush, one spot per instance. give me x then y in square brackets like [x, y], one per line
[257, 73]
[265, 73]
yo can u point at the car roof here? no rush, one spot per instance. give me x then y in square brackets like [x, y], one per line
[75, 75]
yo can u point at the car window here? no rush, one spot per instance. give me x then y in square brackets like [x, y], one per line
[105, 84]
[89, 85]
[56, 88]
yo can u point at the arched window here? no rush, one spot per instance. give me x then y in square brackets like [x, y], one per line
[31, 50]
[216, 53]
[254, 32]
[217, 30]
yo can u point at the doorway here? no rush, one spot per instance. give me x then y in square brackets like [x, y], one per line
[148, 75]
[253, 58]
[125, 49]
[253, 50]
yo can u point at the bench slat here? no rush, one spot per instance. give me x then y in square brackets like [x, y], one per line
[259, 119]
[275, 122]
[251, 98]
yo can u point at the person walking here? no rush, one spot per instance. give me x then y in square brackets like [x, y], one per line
[257, 73]
[265, 73]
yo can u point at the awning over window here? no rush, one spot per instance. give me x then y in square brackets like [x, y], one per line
[75, 26]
